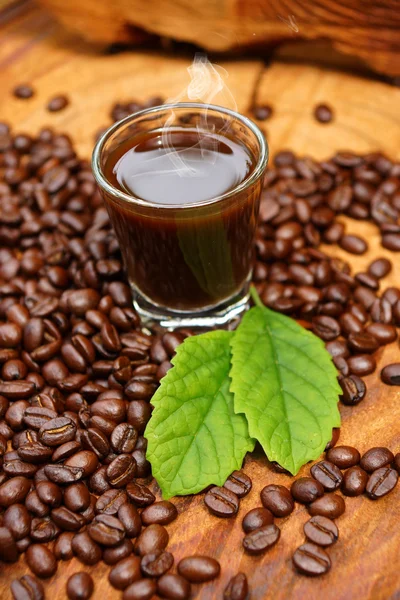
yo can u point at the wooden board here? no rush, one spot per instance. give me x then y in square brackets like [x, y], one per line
[365, 560]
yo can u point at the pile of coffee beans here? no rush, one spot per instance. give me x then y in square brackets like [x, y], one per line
[78, 374]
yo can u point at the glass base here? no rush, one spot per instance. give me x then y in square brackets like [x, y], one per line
[223, 316]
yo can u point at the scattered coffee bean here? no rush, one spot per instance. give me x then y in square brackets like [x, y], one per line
[23, 91]
[262, 113]
[125, 572]
[323, 113]
[376, 458]
[306, 490]
[311, 560]
[198, 569]
[330, 506]
[57, 103]
[380, 267]
[277, 499]
[238, 483]
[343, 456]
[86, 549]
[391, 374]
[80, 586]
[144, 589]
[353, 390]
[361, 364]
[321, 531]
[221, 502]
[156, 564]
[175, 587]
[257, 518]
[237, 588]
[353, 244]
[152, 539]
[27, 588]
[260, 540]
[327, 474]
[381, 482]
[41, 561]
[354, 481]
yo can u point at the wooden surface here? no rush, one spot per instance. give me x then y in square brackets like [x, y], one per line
[368, 30]
[365, 560]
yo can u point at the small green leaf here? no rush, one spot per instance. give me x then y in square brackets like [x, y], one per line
[285, 383]
[195, 439]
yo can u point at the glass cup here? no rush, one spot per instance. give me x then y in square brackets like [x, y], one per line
[189, 265]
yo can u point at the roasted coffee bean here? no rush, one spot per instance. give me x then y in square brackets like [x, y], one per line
[152, 539]
[175, 587]
[125, 572]
[14, 491]
[391, 241]
[391, 374]
[165, 512]
[311, 560]
[144, 589]
[65, 451]
[354, 481]
[8, 548]
[353, 244]
[257, 518]
[23, 91]
[57, 431]
[353, 390]
[277, 499]
[63, 474]
[330, 506]
[94, 439]
[385, 334]
[326, 327]
[80, 586]
[381, 482]
[63, 546]
[338, 349]
[324, 114]
[327, 474]
[112, 556]
[306, 490]
[86, 549]
[343, 456]
[321, 531]
[156, 564]
[362, 342]
[18, 520]
[35, 505]
[49, 493]
[36, 417]
[106, 530]
[57, 103]
[121, 470]
[41, 561]
[27, 588]
[43, 530]
[263, 112]
[139, 413]
[237, 588]
[124, 438]
[381, 311]
[110, 502]
[380, 268]
[361, 364]
[67, 520]
[85, 460]
[396, 462]
[375, 458]
[220, 501]
[77, 497]
[238, 483]
[260, 540]
[198, 569]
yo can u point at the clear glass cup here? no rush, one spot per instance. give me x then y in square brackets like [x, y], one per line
[189, 265]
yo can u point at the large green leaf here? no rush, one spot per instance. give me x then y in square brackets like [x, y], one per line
[194, 436]
[285, 383]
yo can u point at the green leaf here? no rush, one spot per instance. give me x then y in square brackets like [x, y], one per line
[195, 439]
[285, 383]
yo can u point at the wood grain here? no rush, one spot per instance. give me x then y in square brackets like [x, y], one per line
[368, 30]
[365, 560]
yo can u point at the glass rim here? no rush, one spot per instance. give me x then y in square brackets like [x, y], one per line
[104, 184]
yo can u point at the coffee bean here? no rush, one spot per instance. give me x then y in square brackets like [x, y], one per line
[63, 474]
[221, 502]
[163, 512]
[110, 502]
[57, 431]
[354, 481]
[391, 241]
[8, 548]
[277, 499]
[363, 342]
[343, 456]
[361, 364]
[176, 587]
[321, 531]
[63, 546]
[125, 572]
[376, 458]
[353, 390]
[49, 493]
[152, 539]
[385, 334]
[238, 483]
[260, 540]
[67, 520]
[380, 267]
[391, 374]
[140, 590]
[14, 491]
[124, 438]
[80, 586]
[23, 91]
[41, 561]
[27, 588]
[330, 506]
[326, 328]
[85, 460]
[381, 482]
[257, 518]
[112, 556]
[57, 103]
[156, 564]
[95, 440]
[77, 497]
[198, 569]
[106, 530]
[65, 451]
[323, 113]
[86, 549]
[306, 489]
[327, 474]
[17, 520]
[311, 560]
[263, 112]
[237, 588]
[334, 440]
